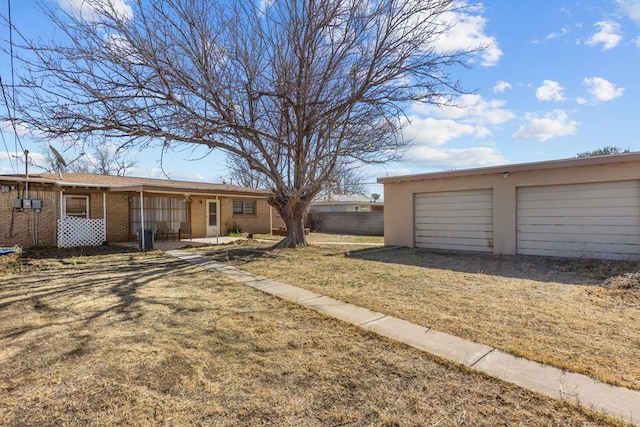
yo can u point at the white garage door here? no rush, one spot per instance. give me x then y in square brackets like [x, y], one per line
[595, 220]
[457, 220]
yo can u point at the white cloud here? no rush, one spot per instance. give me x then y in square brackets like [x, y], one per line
[474, 116]
[21, 129]
[563, 31]
[609, 35]
[631, 8]
[550, 91]
[601, 89]
[469, 33]
[551, 125]
[453, 158]
[501, 86]
[10, 160]
[89, 9]
[429, 131]
[472, 108]
[386, 172]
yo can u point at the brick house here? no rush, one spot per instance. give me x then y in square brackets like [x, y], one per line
[77, 209]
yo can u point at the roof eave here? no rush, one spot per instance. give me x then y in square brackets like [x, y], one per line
[518, 167]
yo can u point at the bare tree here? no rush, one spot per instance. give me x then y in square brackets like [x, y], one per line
[110, 162]
[241, 173]
[346, 179]
[104, 160]
[604, 151]
[295, 88]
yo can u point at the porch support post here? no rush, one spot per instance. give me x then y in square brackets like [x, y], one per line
[218, 210]
[104, 213]
[270, 220]
[142, 219]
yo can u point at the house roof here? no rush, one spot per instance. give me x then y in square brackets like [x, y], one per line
[344, 199]
[520, 167]
[128, 183]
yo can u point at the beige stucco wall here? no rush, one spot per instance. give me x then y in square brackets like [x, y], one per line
[399, 196]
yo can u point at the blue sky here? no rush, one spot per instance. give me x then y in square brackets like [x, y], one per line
[560, 78]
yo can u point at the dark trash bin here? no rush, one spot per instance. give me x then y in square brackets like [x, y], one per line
[148, 239]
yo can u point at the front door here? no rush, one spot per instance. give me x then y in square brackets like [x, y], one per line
[213, 227]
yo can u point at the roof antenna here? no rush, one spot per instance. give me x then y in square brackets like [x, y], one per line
[60, 163]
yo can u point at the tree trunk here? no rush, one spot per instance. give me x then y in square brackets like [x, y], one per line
[292, 212]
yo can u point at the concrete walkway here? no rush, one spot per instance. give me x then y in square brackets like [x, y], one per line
[617, 402]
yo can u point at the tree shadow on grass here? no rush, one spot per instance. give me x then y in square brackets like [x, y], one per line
[239, 255]
[574, 271]
[77, 321]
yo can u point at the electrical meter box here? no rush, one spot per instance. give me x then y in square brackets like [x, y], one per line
[36, 204]
[26, 203]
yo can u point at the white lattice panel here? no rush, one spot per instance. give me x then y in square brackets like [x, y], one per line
[73, 231]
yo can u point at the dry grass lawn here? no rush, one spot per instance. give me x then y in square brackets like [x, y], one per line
[549, 310]
[118, 338]
[325, 237]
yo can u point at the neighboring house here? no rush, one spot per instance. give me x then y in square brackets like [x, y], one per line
[345, 203]
[347, 214]
[79, 209]
[583, 207]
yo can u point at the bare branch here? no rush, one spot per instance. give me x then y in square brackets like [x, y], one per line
[294, 89]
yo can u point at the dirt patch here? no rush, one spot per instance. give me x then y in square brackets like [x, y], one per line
[144, 339]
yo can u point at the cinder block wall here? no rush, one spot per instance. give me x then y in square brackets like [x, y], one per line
[358, 223]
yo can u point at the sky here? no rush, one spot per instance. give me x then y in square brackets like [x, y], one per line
[558, 78]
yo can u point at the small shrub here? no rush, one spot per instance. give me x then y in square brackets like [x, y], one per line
[234, 229]
[627, 281]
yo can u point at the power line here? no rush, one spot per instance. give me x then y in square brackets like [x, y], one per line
[11, 109]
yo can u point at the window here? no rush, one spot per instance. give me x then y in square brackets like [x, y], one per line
[170, 210]
[76, 206]
[244, 207]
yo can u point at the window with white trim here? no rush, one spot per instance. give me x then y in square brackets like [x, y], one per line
[77, 206]
[244, 207]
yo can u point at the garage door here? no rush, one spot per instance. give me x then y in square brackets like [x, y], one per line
[595, 220]
[457, 220]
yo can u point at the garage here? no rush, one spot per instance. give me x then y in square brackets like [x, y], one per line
[591, 220]
[455, 220]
